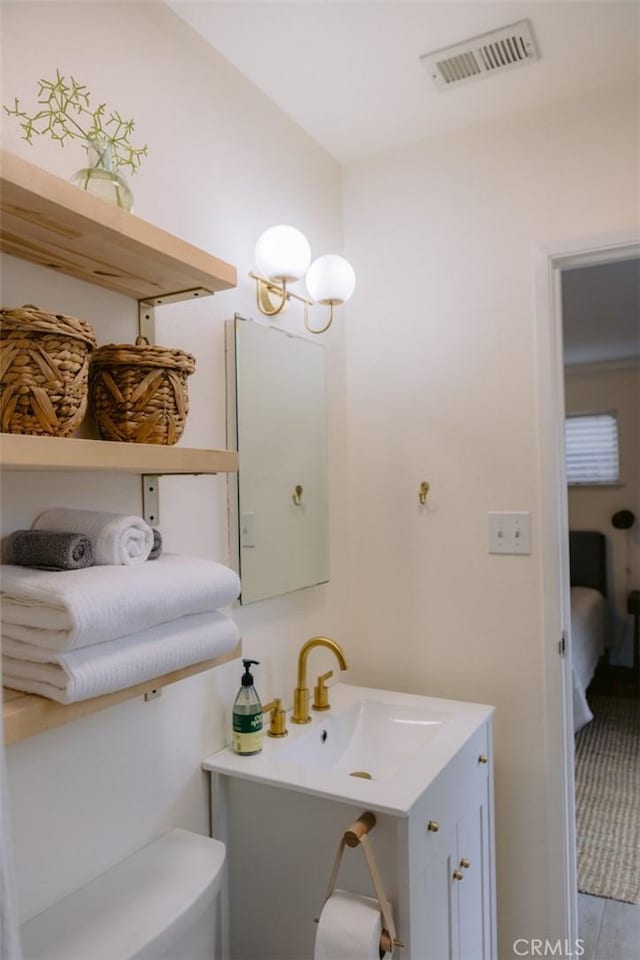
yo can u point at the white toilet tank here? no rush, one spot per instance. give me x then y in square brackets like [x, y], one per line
[161, 903]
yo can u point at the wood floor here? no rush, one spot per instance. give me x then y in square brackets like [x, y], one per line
[610, 929]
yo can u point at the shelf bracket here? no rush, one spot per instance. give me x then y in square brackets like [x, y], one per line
[151, 499]
[177, 296]
[146, 320]
[150, 482]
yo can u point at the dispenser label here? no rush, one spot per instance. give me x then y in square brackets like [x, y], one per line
[247, 732]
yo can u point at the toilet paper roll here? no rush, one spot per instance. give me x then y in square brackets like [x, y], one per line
[349, 928]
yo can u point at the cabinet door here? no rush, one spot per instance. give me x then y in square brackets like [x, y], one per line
[439, 939]
[474, 907]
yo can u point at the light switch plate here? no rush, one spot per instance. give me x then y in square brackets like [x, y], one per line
[510, 532]
[247, 529]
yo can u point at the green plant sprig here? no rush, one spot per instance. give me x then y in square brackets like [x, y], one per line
[65, 113]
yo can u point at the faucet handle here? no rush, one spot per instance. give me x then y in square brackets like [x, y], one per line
[321, 692]
[277, 718]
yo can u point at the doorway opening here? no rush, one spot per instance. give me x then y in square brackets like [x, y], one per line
[601, 358]
[589, 404]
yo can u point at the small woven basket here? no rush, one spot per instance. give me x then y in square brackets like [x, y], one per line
[44, 366]
[139, 393]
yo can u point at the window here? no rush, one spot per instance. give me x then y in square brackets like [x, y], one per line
[591, 446]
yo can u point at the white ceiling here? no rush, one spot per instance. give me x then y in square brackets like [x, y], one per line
[349, 72]
[601, 312]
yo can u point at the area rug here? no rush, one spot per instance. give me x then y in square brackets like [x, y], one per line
[608, 800]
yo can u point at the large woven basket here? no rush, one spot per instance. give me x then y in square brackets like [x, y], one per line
[139, 392]
[44, 366]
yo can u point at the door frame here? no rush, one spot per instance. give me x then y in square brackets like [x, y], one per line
[549, 261]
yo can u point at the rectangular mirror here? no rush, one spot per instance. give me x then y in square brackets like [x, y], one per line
[279, 501]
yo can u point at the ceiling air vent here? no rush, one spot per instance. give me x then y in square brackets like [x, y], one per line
[490, 53]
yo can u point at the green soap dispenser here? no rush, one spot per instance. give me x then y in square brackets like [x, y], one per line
[247, 715]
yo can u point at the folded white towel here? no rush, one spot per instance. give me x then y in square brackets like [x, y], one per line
[118, 664]
[66, 609]
[116, 538]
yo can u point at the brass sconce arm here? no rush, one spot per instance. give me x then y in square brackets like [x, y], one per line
[266, 288]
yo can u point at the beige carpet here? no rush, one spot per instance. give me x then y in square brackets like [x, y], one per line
[608, 800]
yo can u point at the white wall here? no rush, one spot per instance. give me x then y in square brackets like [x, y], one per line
[591, 388]
[441, 387]
[223, 165]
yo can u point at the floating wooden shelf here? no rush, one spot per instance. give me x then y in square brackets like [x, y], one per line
[25, 715]
[56, 224]
[23, 452]
[52, 223]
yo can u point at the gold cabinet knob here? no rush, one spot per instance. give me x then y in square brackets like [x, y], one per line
[458, 875]
[465, 864]
[483, 758]
[433, 826]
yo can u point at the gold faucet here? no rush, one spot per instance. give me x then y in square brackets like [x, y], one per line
[301, 693]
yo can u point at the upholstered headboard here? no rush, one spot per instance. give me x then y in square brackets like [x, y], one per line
[588, 559]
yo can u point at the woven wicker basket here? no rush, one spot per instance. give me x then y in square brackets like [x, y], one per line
[44, 365]
[139, 393]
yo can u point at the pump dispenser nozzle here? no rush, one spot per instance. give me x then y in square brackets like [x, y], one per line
[247, 676]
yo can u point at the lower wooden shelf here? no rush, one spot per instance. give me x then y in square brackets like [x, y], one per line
[25, 715]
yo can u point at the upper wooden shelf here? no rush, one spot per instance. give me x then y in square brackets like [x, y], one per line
[24, 452]
[56, 224]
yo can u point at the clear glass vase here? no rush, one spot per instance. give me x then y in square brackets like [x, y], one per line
[101, 178]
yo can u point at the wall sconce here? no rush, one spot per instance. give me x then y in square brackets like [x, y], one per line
[283, 256]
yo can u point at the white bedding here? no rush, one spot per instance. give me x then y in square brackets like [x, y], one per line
[588, 608]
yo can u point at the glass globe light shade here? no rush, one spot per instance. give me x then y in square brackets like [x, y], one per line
[330, 279]
[282, 253]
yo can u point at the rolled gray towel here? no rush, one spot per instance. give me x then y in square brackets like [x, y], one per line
[156, 549]
[49, 549]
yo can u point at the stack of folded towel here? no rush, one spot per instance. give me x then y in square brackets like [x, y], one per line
[74, 634]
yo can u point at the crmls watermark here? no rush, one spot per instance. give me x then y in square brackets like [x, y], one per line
[548, 948]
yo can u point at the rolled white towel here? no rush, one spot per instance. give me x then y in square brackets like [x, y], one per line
[116, 537]
[117, 664]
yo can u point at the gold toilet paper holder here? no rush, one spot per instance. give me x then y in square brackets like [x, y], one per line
[354, 836]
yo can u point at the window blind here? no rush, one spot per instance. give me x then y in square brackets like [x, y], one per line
[591, 446]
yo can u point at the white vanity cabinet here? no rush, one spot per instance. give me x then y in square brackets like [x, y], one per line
[436, 857]
[451, 855]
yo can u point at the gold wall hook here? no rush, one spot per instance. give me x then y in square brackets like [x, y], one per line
[297, 494]
[423, 492]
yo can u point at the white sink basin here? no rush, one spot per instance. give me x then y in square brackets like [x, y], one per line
[370, 739]
[399, 740]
